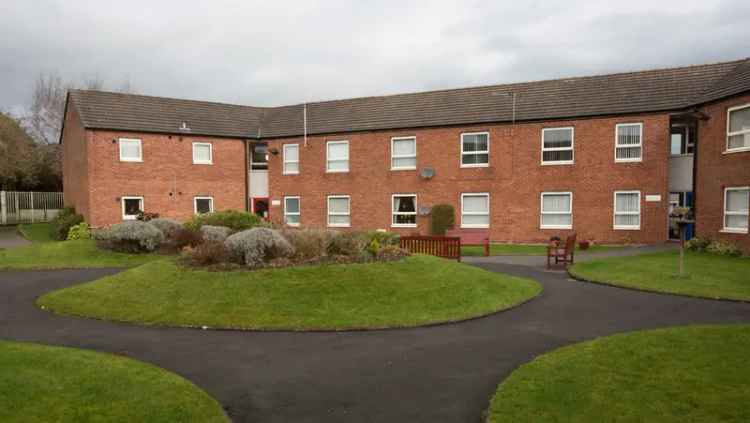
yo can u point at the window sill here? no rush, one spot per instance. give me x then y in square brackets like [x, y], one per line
[290, 173]
[339, 226]
[469, 166]
[395, 169]
[293, 225]
[131, 161]
[558, 163]
[404, 226]
[733, 231]
[203, 163]
[736, 150]
[556, 227]
[634, 160]
[337, 171]
[626, 228]
[475, 226]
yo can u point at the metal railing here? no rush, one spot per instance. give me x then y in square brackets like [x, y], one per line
[29, 207]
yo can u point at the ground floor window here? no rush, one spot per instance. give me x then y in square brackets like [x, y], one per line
[736, 209]
[339, 211]
[475, 210]
[627, 210]
[131, 206]
[203, 205]
[291, 211]
[404, 210]
[557, 210]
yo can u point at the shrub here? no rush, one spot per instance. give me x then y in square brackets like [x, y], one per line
[443, 218]
[168, 227]
[215, 233]
[308, 244]
[698, 244]
[391, 253]
[373, 247]
[79, 231]
[723, 249]
[132, 237]
[208, 253]
[184, 237]
[234, 220]
[346, 244]
[146, 216]
[383, 238]
[61, 224]
[255, 247]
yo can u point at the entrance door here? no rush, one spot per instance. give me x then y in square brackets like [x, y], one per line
[260, 207]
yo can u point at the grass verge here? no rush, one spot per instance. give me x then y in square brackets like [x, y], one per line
[707, 275]
[676, 375]
[68, 255]
[45, 384]
[36, 232]
[419, 290]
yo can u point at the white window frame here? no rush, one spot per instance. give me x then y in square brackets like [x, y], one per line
[140, 149]
[740, 213]
[571, 148]
[394, 213]
[122, 206]
[210, 153]
[348, 213]
[404, 156]
[328, 159]
[615, 213]
[195, 203]
[640, 142]
[745, 132]
[489, 206]
[285, 161]
[298, 213]
[542, 212]
[474, 153]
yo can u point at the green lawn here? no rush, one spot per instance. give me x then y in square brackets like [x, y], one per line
[36, 232]
[708, 275]
[416, 291]
[497, 249]
[677, 375]
[68, 255]
[53, 384]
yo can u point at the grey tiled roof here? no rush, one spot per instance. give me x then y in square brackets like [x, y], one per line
[633, 92]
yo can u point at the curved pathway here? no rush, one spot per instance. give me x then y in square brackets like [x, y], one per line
[435, 374]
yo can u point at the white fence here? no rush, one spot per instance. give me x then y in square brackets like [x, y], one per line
[29, 207]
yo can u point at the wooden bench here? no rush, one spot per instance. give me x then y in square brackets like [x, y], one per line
[562, 253]
[472, 237]
[440, 246]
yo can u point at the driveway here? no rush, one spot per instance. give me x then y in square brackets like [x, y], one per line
[10, 238]
[437, 374]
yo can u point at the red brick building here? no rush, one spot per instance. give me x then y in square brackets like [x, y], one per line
[606, 156]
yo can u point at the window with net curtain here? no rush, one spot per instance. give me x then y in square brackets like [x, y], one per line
[291, 159]
[475, 210]
[404, 153]
[337, 153]
[557, 145]
[738, 136]
[627, 210]
[204, 205]
[130, 150]
[736, 209]
[291, 211]
[628, 139]
[557, 212]
[475, 149]
[404, 210]
[201, 153]
[338, 211]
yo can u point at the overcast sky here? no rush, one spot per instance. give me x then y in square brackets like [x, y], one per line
[273, 53]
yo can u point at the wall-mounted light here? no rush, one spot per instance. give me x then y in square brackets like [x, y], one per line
[274, 151]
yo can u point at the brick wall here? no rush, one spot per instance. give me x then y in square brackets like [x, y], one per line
[515, 178]
[167, 178]
[717, 171]
[75, 163]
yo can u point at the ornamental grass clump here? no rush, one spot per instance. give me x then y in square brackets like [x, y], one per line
[258, 246]
[130, 237]
[310, 245]
[215, 233]
[349, 244]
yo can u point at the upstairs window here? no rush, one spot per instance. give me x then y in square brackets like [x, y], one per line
[337, 156]
[131, 207]
[291, 211]
[203, 205]
[628, 145]
[627, 210]
[339, 211]
[738, 128]
[403, 153]
[202, 153]
[736, 209]
[557, 146]
[557, 210]
[475, 210]
[475, 149]
[259, 156]
[130, 150]
[291, 159]
[404, 212]
[682, 140]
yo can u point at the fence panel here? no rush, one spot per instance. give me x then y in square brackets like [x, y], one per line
[29, 207]
[440, 246]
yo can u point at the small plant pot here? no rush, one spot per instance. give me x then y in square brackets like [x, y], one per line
[584, 245]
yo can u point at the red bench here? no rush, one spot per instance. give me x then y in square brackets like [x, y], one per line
[472, 237]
